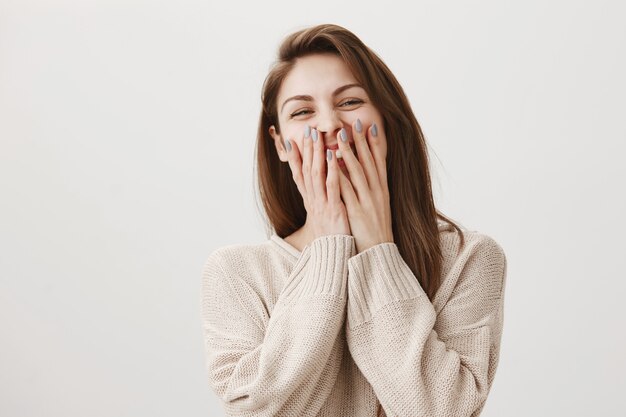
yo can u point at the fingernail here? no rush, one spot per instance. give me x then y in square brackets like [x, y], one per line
[307, 131]
[329, 154]
[344, 135]
[374, 129]
[314, 135]
[288, 145]
[359, 126]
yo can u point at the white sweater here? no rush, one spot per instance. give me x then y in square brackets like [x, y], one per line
[328, 332]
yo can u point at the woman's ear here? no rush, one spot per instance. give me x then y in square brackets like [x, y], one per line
[279, 144]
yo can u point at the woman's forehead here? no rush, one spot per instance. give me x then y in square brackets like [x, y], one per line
[316, 74]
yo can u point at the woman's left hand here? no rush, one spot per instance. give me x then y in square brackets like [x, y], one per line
[366, 193]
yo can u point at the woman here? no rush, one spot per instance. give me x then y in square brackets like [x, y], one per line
[365, 300]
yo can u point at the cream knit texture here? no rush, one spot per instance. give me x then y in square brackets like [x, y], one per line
[329, 332]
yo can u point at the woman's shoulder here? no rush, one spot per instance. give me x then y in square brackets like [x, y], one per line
[473, 240]
[255, 264]
[480, 261]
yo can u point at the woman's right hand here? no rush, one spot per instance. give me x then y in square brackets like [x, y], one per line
[320, 190]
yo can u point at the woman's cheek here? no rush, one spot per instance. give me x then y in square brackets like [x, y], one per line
[365, 117]
[297, 134]
[296, 137]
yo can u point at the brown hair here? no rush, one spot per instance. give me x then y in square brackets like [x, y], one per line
[413, 212]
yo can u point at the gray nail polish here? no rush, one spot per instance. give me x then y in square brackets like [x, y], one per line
[344, 135]
[329, 154]
[374, 129]
[288, 145]
[314, 135]
[359, 126]
[307, 131]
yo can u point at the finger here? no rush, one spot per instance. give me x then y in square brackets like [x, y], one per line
[346, 190]
[378, 146]
[365, 157]
[318, 168]
[295, 164]
[357, 176]
[333, 192]
[307, 159]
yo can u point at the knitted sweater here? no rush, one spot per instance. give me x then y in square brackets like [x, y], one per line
[329, 332]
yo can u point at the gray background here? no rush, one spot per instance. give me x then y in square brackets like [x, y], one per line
[127, 131]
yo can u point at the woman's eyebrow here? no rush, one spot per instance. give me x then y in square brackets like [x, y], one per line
[309, 98]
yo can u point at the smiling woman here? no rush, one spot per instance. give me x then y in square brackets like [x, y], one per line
[365, 300]
[334, 100]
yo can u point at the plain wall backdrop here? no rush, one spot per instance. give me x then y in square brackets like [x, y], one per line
[127, 131]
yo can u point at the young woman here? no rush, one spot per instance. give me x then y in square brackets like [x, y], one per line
[365, 300]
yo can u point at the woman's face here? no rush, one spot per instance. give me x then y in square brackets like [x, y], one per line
[321, 92]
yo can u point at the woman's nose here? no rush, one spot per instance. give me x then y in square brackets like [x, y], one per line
[329, 123]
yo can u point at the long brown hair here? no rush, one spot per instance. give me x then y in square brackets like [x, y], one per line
[413, 212]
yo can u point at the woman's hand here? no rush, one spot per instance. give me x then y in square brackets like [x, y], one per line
[365, 193]
[326, 213]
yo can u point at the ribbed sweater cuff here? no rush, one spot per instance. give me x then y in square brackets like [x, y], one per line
[322, 267]
[376, 277]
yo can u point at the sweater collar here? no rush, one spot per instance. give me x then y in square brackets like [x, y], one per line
[287, 247]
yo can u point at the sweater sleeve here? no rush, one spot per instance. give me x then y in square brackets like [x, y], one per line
[287, 364]
[420, 363]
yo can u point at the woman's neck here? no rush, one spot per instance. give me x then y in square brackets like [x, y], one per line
[300, 238]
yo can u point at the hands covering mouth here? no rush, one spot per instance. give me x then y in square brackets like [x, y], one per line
[335, 147]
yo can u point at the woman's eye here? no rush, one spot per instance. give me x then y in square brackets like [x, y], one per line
[299, 113]
[352, 101]
[345, 103]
